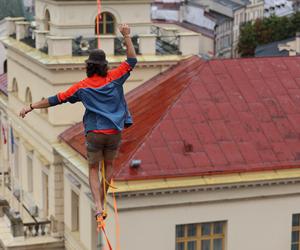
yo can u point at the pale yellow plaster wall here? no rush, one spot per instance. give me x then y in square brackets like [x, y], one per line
[87, 232]
[265, 217]
[206, 45]
[71, 19]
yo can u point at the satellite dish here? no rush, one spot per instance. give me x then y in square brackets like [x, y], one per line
[84, 45]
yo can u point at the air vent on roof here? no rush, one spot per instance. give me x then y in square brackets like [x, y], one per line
[135, 163]
[188, 147]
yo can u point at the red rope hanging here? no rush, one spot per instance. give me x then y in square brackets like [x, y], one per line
[98, 22]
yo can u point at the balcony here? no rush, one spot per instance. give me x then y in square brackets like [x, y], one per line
[158, 41]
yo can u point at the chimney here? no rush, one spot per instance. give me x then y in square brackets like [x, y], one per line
[298, 42]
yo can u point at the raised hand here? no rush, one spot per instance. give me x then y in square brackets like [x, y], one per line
[124, 29]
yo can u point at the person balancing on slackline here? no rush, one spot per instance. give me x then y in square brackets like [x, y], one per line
[105, 116]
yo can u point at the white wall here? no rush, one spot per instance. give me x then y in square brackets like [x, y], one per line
[195, 15]
[164, 14]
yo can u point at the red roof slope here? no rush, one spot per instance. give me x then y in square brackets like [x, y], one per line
[220, 116]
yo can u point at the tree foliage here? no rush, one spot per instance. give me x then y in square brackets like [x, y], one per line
[267, 30]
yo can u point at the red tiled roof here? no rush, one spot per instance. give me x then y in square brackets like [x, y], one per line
[3, 83]
[221, 116]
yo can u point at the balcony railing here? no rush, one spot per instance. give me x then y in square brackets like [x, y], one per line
[120, 48]
[82, 46]
[37, 229]
[25, 32]
[167, 42]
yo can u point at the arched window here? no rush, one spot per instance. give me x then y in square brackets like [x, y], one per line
[47, 20]
[106, 24]
[5, 66]
[28, 97]
[14, 88]
[44, 111]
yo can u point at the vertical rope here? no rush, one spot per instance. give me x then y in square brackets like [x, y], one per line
[98, 22]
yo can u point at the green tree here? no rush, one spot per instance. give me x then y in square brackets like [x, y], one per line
[267, 30]
[247, 42]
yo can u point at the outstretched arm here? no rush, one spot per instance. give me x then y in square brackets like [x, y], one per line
[70, 95]
[37, 105]
[125, 31]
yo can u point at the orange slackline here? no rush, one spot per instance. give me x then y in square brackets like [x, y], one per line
[118, 245]
[102, 223]
[98, 22]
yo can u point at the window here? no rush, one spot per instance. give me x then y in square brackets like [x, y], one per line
[241, 18]
[47, 20]
[14, 87]
[5, 66]
[75, 211]
[29, 173]
[106, 24]
[44, 111]
[295, 232]
[16, 158]
[28, 97]
[204, 236]
[45, 180]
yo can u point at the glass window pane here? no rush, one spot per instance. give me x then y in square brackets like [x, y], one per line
[192, 245]
[218, 227]
[205, 245]
[192, 230]
[296, 220]
[295, 236]
[295, 247]
[180, 246]
[109, 17]
[110, 28]
[205, 228]
[179, 231]
[101, 28]
[217, 244]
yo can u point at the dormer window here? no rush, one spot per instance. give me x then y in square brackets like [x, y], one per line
[106, 24]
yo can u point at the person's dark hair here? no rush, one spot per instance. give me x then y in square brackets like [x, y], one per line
[98, 69]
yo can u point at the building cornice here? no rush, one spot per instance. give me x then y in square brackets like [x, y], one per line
[207, 183]
[75, 63]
